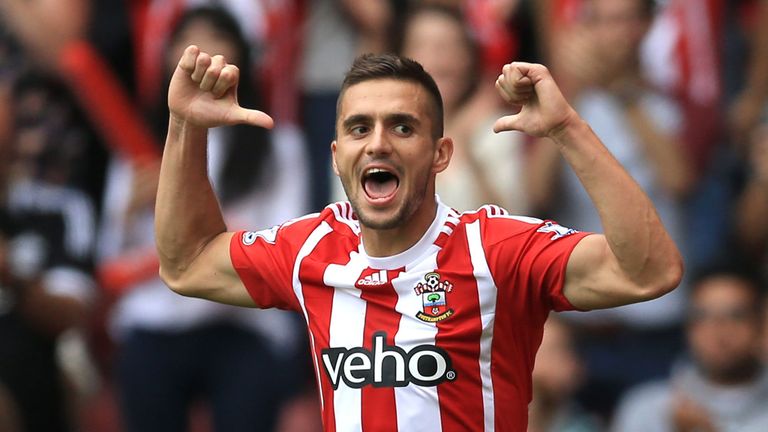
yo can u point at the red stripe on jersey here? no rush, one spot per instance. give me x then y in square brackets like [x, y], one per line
[379, 411]
[513, 351]
[318, 301]
[461, 401]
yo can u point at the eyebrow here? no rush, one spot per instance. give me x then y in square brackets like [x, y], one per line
[390, 118]
[402, 118]
[355, 119]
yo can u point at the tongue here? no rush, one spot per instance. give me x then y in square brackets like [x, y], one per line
[378, 189]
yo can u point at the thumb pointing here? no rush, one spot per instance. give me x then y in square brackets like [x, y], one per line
[506, 123]
[254, 118]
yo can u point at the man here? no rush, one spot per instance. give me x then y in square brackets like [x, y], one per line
[725, 386]
[558, 374]
[399, 291]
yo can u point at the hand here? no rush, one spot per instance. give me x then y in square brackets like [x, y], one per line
[203, 92]
[688, 416]
[543, 111]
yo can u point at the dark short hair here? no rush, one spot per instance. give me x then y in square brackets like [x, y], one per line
[368, 67]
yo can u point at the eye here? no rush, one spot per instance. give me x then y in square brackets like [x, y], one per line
[403, 129]
[358, 130]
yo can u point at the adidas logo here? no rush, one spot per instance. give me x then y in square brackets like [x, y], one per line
[374, 279]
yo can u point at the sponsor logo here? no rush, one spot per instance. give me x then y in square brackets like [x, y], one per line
[434, 298]
[269, 235]
[558, 231]
[373, 279]
[387, 365]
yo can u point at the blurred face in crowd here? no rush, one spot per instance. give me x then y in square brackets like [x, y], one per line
[724, 329]
[558, 371]
[385, 152]
[207, 37]
[439, 42]
[619, 27]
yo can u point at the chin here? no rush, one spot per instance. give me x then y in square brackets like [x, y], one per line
[376, 220]
[388, 218]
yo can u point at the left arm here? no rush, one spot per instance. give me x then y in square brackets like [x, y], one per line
[635, 260]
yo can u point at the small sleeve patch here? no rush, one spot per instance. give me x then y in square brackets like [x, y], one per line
[269, 235]
[558, 231]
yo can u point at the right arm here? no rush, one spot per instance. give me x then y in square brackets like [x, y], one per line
[192, 239]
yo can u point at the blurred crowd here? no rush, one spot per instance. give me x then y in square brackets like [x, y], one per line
[91, 339]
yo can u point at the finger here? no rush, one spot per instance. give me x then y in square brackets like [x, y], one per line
[519, 75]
[201, 65]
[501, 90]
[506, 123]
[188, 59]
[513, 94]
[254, 118]
[523, 84]
[212, 73]
[228, 78]
[513, 72]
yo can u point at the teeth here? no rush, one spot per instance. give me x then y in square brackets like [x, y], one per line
[371, 171]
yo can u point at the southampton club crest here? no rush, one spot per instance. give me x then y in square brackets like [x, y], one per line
[434, 298]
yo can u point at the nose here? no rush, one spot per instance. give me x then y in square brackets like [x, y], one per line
[379, 143]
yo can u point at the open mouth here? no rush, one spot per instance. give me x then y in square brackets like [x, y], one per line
[379, 183]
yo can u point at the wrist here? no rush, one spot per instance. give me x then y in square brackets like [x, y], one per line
[179, 127]
[564, 132]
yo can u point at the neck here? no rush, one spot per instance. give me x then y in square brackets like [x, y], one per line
[388, 242]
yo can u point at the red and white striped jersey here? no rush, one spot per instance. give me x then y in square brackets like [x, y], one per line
[441, 337]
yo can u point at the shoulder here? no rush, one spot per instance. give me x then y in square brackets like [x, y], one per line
[498, 224]
[336, 217]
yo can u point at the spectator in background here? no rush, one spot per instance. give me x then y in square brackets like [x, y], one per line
[174, 350]
[641, 128]
[557, 375]
[46, 244]
[724, 385]
[751, 210]
[746, 54]
[335, 32]
[486, 168]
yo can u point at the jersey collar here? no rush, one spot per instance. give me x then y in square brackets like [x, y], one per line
[425, 243]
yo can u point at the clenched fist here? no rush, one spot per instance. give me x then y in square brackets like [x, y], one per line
[543, 110]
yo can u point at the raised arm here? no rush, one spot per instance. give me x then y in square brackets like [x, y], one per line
[635, 260]
[191, 236]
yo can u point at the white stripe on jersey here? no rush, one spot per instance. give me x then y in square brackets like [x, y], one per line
[341, 211]
[347, 330]
[321, 231]
[486, 292]
[416, 405]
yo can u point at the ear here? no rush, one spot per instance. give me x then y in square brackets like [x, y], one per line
[333, 158]
[443, 153]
